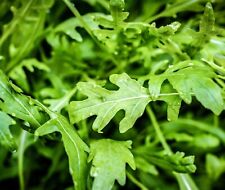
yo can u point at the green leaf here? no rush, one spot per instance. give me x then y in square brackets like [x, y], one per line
[179, 137]
[154, 85]
[215, 166]
[6, 138]
[117, 7]
[24, 29]
[145, 166]
[209, 94]
[173, 106]
[205, 141]
[178, 6]
[75, 147]
[131, 97]
[198, 81]
[69, 28]
[208, 20]
[18, 74]
[18, 105]
[56, 105]
[109, 160]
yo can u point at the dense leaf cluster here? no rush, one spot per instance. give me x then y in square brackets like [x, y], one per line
[112, 94]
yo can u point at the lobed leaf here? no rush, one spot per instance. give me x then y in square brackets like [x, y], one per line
[75, 148]
[109, 160]
[199, 82]
[18, 73]
[17, 104]
[131, 97]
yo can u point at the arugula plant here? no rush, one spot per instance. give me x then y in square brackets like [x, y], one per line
[112, 94]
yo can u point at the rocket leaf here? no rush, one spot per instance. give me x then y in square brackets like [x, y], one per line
[109, 160]
[18, 105]
[131, 97]
[74, 146]
[200, 83]
[6, 138]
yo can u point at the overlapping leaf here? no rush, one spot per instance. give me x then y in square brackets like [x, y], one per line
[6, 138]
[18, 105]
[199, 82]
[109, 160]
[24, 30]
[75, 148]
[131, 97]
[18, 74]
[191, 80]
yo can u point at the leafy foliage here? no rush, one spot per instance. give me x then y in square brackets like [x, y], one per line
[6, 137]
[74, 146]
[18, 105]
[71, 75]
[109, 160]
[130, 97]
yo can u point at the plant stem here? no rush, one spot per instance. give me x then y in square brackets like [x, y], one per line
[87, 28]
[77, 14]
[20, 158]
[184, 180]
[27, 45]
[172, 10]
[63, 101]
[136, 182]
[15, 22]
[158, 130]
[214, 66]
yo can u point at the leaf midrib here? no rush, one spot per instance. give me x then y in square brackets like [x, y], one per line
[114, 101]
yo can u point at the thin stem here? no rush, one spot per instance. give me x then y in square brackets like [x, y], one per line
[184, 180]
[77, 14]
[27, 45]
[172, 10]
[136, 182]
[63, 101]
[216, 121]
[169, 94]
[87, 28]
[221, 77]
[214, 66]
[20, 159]
[15, 22]
[158, 130]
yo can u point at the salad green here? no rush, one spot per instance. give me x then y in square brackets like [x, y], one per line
[112, 94]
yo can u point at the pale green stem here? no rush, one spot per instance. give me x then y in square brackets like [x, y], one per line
[21, 158]
[214, 66]
[184, 180]
[216, 121]
[158, 130]
[136, 182]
